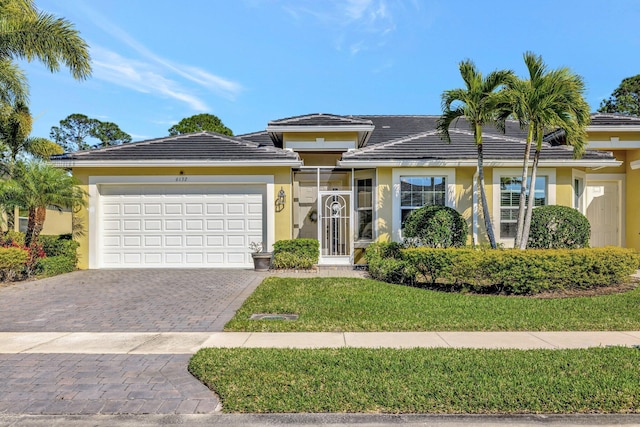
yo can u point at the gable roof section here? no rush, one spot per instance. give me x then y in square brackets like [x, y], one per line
[428, 149]
[320, 119]
[202, 148]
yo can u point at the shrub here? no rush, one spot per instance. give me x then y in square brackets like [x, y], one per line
[436, 227]
[9, 238]
[58, 245]
[555, 227]
[12, 261]
[52, 266]
[296, 253]
[506, 271]
[385, 263]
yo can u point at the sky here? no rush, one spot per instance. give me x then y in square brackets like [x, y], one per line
[251, 61]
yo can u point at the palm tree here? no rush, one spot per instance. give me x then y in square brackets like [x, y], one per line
[38, 186]
[548, 100]
[479, 102]
[26, 33]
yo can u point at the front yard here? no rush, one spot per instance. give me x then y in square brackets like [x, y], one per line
[341, 304]
[420, 380]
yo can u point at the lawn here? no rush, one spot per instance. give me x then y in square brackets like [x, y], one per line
[350, 304]
[422, 380]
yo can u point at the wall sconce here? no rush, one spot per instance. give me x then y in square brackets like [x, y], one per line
[281, 200]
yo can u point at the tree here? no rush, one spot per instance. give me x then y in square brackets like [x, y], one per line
[26, 33]
[200, 123]
[548, 100]
[15, 127]
[74, 131]
[479, 102]
[625, 99]
[109, 134]
[38, 186]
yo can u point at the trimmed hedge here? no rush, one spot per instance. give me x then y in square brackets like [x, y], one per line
[12, 261]
[502, 271]
[555, 227]
[296, 253]
[61, 252]
[436, 227]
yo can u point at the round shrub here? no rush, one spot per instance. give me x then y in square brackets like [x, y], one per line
[558, 227]
[436, 227]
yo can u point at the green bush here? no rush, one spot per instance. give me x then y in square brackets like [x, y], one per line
[385, 263]
[12, 261]
[296, 253]
[436, 227]
[58, 245]
[555, 227]
[52, 266]
[9, 238]
[503, 271]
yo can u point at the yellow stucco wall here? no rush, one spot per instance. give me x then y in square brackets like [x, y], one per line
[57, 222]
[633, 201]
[282, 179]
[312, 136]
[320, 159]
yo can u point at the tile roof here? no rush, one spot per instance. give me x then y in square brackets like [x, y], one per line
[193, 146]
[601, 119]
[320, 119]
[429, 146]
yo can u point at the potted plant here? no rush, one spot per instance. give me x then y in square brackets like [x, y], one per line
[261, 260]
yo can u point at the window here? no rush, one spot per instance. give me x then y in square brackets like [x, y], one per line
[510, 187]
[418, 191]
[364, 208]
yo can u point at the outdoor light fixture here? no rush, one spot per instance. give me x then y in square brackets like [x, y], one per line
[281, 199]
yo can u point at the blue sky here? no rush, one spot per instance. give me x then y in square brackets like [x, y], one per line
[251, 61]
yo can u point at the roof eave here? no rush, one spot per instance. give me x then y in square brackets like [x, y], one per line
[614, 128]
[311, 128]
[71, 163]
[474, 163]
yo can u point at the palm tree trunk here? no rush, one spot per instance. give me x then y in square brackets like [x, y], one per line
[37, 217]
[483, 197]
[531, 201]
[523, 189]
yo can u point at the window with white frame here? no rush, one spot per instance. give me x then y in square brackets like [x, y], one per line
[364, 208]
[419, 191]
[510, 187]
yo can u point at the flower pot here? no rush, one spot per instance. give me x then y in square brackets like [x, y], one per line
[261, 261]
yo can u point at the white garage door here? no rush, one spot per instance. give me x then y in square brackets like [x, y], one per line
[175, 226]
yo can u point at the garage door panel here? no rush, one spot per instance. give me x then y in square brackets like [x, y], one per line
[191, 226]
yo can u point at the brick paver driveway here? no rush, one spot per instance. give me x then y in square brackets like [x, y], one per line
[115, 301]
[126, 301]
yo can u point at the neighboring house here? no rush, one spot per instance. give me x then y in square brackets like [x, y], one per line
[199, 200]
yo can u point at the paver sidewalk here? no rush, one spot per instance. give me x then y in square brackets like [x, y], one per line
[188, 343]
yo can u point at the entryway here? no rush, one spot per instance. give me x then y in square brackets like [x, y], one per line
[603, 199]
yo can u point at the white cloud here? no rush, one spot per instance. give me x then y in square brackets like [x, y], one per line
[357, 24]
[140, 76]
[164, 71]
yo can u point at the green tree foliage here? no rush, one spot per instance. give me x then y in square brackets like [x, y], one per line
[15, 127]
[27, 33]
[75, 130]
[109, 134]
[558, 227]
[436, 227]
[38, 186]
[479, 102]
[548, 100]
[200, 123]
[625, 99]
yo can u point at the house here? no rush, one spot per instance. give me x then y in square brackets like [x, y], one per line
[199, 200]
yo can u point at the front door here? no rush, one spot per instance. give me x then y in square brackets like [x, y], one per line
[334, 227]
[603, 212]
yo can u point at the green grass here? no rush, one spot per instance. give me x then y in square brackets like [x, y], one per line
[422, 380]
[341, 304]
